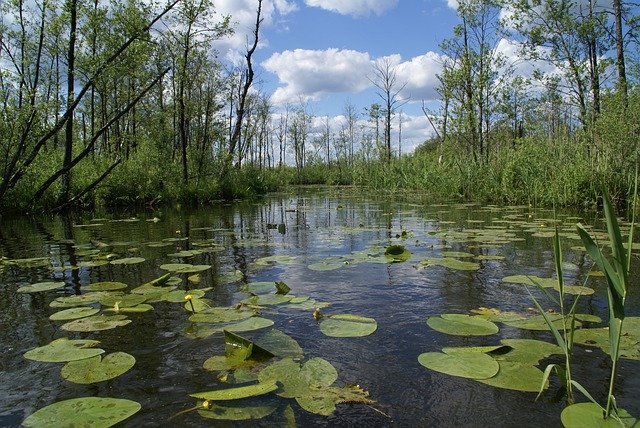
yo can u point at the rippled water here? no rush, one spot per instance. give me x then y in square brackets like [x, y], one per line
[317, 225]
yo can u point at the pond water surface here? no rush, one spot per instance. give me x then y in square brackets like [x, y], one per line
[330, 245]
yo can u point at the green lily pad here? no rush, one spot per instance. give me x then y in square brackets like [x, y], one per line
[128, 261]
[496, 315]
[123, 301]
[323, 401]
[238, 392]
[462, 325]
[532, 280]
[346, 325]
[528, 351]
[267, 300]
[589, 415]
[397, 253]
[298, 379]
[63, 350]
[98, 369]
[230, 277]
[238, 348]
[105, 286]
[98, 412]
[96, 323]
[137, 309]
[73, 313]
[279, 344]
[184, 267]
[538, 322]
[242, 410]
[178, 296]
[255, 288]
[329, 264]
[82, 299]
[41, 286]
[217, 315]
[457, 254]
[516, 376]
[473, 365]
[250, 324]
[282, 259]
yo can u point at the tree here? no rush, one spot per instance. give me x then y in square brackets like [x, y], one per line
[385, 78]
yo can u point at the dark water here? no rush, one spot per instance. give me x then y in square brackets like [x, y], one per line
[317, 225]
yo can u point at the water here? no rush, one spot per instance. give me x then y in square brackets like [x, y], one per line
[311, 225]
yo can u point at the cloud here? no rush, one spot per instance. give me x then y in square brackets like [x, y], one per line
[243, 19]
[309, 74]
[420, 74]
[354, 7]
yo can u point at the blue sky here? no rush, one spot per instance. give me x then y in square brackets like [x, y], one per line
[321, 52]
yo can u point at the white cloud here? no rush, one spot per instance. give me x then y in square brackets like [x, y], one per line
[420, 75]
[354, 7]
[243, 18]
[309, 74]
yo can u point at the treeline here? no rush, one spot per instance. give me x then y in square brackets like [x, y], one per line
[110, 102]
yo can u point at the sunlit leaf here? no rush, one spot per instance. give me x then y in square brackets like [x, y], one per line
[98, 412]
[474, 365]
[347, 325]
[516, 376]
[450, 263]
[250, 324]
[41, 286]
[98, 368]
[128, 261]
[397, 253]
[296, 378]
[105, 286]
[462, 325]
[279, 344]
[589, 415]
[237, 392]
[63, 350]
[96, 323]
[73, 313]
[219, 315]
[528, 351]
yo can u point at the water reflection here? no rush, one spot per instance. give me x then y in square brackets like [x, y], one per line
[310, 226]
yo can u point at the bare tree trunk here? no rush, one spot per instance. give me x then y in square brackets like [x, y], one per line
[622, 75]
[68, 132]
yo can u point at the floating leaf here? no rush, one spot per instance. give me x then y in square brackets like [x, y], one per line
[63, 350]
[279, 344]
[216, 315]
[329, 264]
[105, 286]
[589, 415]
[184, 267]
[73, 313]
[474, 365]
[532, 280]
[346, 325]
[283, 259]
[82, 299]
[462, 325]
[96, 323]
[230, 277]
[457, 254]
[267, 287]
[516, 376]
[250, 324]
[240, 410]
[131, 309]
[297, 379]
[98, 369]
[41, 286]
[238, 392]
[267, 299]
[496, 315]
[528, 351]
[98, 412]
[123, 301]
[240, 348]
[178, 296]
[538, 322]
[397, 253]
[323, 401]
[128, 261]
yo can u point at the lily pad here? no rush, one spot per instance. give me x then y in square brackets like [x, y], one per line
[538, 322]
[516, 376]
[298, 379]
[178, 296]
[462, 325]
[346, 325]
[128, 261]
[41, 286]
[589, 415]
[238, 392]
[282, 259]
[184, 267]
[123, 301]
[267, 300]
[255, 288]
[397, 253]
[528, 351]
[216, 315]
[73, 313]
[96, 323]
[250, 324]
[85, 411]
[279, 344]
[242, 410]
[329, 264]
[473, 365]
[323, 401]
[98, 369]
[496, 315]
[63, 350]
[137, 309]
[105, 286]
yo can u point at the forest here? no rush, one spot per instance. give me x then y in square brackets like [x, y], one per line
[126, 103]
